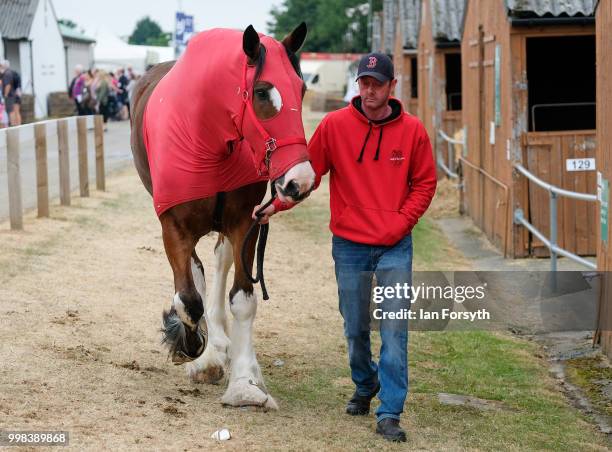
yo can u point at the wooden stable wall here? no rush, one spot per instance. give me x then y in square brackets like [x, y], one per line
[604, 162]
[428, 95]
[432, 85]
[402, 62]
[492, 189]
[487, 172]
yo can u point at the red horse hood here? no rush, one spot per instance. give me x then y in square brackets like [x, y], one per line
[199, 135]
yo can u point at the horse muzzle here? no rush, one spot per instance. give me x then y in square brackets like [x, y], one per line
[292, 192]
[297, 183]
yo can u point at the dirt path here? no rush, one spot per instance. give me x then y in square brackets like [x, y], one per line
[81, 296]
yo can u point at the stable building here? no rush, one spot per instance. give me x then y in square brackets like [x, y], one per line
[529, 67]
[403, 46]
[33, 44]
[439, 62]
[78, 49]
[604, 167]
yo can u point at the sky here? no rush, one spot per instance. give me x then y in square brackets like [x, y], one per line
[120, 16]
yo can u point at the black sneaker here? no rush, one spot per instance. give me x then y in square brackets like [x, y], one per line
[390, 429]
[360, 405]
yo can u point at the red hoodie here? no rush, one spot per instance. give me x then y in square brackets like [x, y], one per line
[382, 173]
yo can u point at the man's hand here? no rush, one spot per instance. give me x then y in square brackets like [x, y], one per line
[266, 214]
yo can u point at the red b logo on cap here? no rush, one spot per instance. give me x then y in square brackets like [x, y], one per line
[372, 63]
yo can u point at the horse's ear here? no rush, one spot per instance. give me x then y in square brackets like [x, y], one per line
[294, 40]
[250, 44]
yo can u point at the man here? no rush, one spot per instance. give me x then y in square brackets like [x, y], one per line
[122, 84]
[10, 93]
[382, 180]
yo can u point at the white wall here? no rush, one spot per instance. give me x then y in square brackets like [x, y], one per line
[25, 67]
[48, 56]
[78, 53]
[1, 47]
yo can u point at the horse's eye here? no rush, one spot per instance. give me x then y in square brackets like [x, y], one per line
[262, 94]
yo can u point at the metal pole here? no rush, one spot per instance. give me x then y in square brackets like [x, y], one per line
[553, 231]
[451, 160]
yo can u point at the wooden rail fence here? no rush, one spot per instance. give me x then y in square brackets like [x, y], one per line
[42, 181]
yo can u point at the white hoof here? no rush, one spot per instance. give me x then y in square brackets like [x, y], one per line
[247, 392]
[209, 368]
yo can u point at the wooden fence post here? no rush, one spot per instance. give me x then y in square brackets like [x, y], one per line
[42, 178]
[14, 179]
[99, 138]
[83, 168]
[64, 161]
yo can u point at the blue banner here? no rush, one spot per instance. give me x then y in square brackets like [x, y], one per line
[183, 31]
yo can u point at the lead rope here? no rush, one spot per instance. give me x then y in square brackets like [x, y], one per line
[261, 247]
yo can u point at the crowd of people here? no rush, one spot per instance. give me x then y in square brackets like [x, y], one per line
[96, 91]
[10, 95]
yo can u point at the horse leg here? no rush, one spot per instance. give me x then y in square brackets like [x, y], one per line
[246, 386]
[184, 325]
[210, 367]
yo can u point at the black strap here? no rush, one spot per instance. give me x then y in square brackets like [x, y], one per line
[218, 213]
[261, 246]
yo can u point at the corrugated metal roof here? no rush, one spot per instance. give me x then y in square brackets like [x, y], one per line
[389, 25]
[447, 19]
[410, 16]
[71, 33]
[16, 18]
[554, 7]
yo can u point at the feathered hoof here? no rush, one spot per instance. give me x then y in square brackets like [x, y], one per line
[245, 392]
[184, 345]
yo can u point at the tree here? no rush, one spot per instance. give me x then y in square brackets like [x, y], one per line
[333, 25]
[67, 23]
[148, 32]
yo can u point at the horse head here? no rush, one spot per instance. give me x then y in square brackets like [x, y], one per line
[272, 92]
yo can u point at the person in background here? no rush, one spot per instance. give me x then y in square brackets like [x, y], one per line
[88, 103]
[130, 87]
[8, 91]
[123, 83]
[102, 89]
[3, 115]
[17, 107]
[75, 90]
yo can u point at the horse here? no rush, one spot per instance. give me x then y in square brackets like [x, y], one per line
[208, 132]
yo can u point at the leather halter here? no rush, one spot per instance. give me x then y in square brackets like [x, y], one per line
[270, 143]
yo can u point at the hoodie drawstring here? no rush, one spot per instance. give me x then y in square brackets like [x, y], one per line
[365, 142]
[379, 140]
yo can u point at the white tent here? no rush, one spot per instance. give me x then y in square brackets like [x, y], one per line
[111, 52]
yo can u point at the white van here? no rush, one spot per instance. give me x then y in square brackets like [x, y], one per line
[326, 73]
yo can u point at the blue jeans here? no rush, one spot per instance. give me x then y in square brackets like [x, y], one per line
[355, 265]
